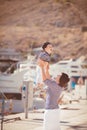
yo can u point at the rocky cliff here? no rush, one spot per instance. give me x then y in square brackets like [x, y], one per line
[25, 24]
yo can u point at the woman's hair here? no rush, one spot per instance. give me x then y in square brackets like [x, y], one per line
[64, 79]
[45, 45]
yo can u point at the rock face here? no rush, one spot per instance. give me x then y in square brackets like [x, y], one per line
[27, 24]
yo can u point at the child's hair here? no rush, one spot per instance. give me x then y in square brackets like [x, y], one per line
[45, 45]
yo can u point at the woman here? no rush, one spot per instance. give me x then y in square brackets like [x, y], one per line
[54, 90]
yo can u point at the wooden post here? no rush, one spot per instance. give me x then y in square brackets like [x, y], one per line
[25, 97]
[26, 100]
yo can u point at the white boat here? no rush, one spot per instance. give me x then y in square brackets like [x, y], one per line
[11, 84]
[74, 68]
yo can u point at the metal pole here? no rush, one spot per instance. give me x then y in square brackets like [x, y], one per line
[2, 112]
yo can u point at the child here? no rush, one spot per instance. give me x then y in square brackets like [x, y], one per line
[45, 56]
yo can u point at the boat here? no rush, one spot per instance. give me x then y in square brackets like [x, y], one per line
[11, 85]
[74, 68]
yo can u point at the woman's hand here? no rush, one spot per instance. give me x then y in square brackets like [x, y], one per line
[45, 69]
[41, 63]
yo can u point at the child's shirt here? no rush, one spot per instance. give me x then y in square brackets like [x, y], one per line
[44, 56]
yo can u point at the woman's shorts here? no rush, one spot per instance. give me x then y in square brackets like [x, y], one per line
[51, 119]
